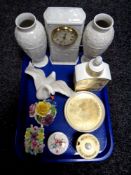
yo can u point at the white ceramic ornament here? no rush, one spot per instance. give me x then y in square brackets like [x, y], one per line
[31, 37]
[92, 75]
[97, 36]
[58, 143]
[64, 26]
[46, 86]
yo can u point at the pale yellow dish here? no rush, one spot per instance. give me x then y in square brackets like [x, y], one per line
[84, 111]
[88, 146]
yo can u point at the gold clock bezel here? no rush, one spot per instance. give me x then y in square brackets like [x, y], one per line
[64, 28]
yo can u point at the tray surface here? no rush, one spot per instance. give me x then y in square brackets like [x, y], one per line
[28, 96]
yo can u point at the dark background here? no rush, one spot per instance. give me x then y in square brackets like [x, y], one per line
[118, 56]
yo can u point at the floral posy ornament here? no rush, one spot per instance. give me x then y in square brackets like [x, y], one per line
[34, 138]
[44, 112]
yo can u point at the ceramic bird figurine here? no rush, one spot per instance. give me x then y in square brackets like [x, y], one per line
[47, 86]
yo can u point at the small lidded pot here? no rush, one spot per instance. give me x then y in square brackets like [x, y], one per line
[87, 146]
[58, 143]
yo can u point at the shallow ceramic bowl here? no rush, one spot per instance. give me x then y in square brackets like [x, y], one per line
[84, 111]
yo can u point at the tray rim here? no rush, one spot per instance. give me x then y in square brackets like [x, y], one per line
[106, 103]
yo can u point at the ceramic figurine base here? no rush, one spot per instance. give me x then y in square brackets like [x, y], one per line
[28, 96]
[41, 64]
[64, 63]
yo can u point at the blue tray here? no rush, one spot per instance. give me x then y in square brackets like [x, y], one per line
[27, 97]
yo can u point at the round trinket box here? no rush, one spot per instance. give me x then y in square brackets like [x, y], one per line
[87, 146]
[84, 111]
[58, 143]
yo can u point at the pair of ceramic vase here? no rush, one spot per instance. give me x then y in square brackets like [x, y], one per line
[31, 37]
[98, 36]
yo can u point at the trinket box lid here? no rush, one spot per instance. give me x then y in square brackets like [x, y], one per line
[58, 143]
[64, 15]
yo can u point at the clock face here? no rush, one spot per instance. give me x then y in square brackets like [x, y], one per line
[64, 35]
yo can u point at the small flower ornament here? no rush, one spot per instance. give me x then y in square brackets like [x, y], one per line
[44, 112]
[34, 138]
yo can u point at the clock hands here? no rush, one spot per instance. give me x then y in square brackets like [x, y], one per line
[64, 37]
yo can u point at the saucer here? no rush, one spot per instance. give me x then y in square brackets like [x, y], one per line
[84, 111]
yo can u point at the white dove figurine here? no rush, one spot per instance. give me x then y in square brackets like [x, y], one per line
[46, 86]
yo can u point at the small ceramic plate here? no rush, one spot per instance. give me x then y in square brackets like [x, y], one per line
[87, 146]
[84, 111]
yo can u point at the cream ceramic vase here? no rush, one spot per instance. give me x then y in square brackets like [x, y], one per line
[31, 37]
[98, 36]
